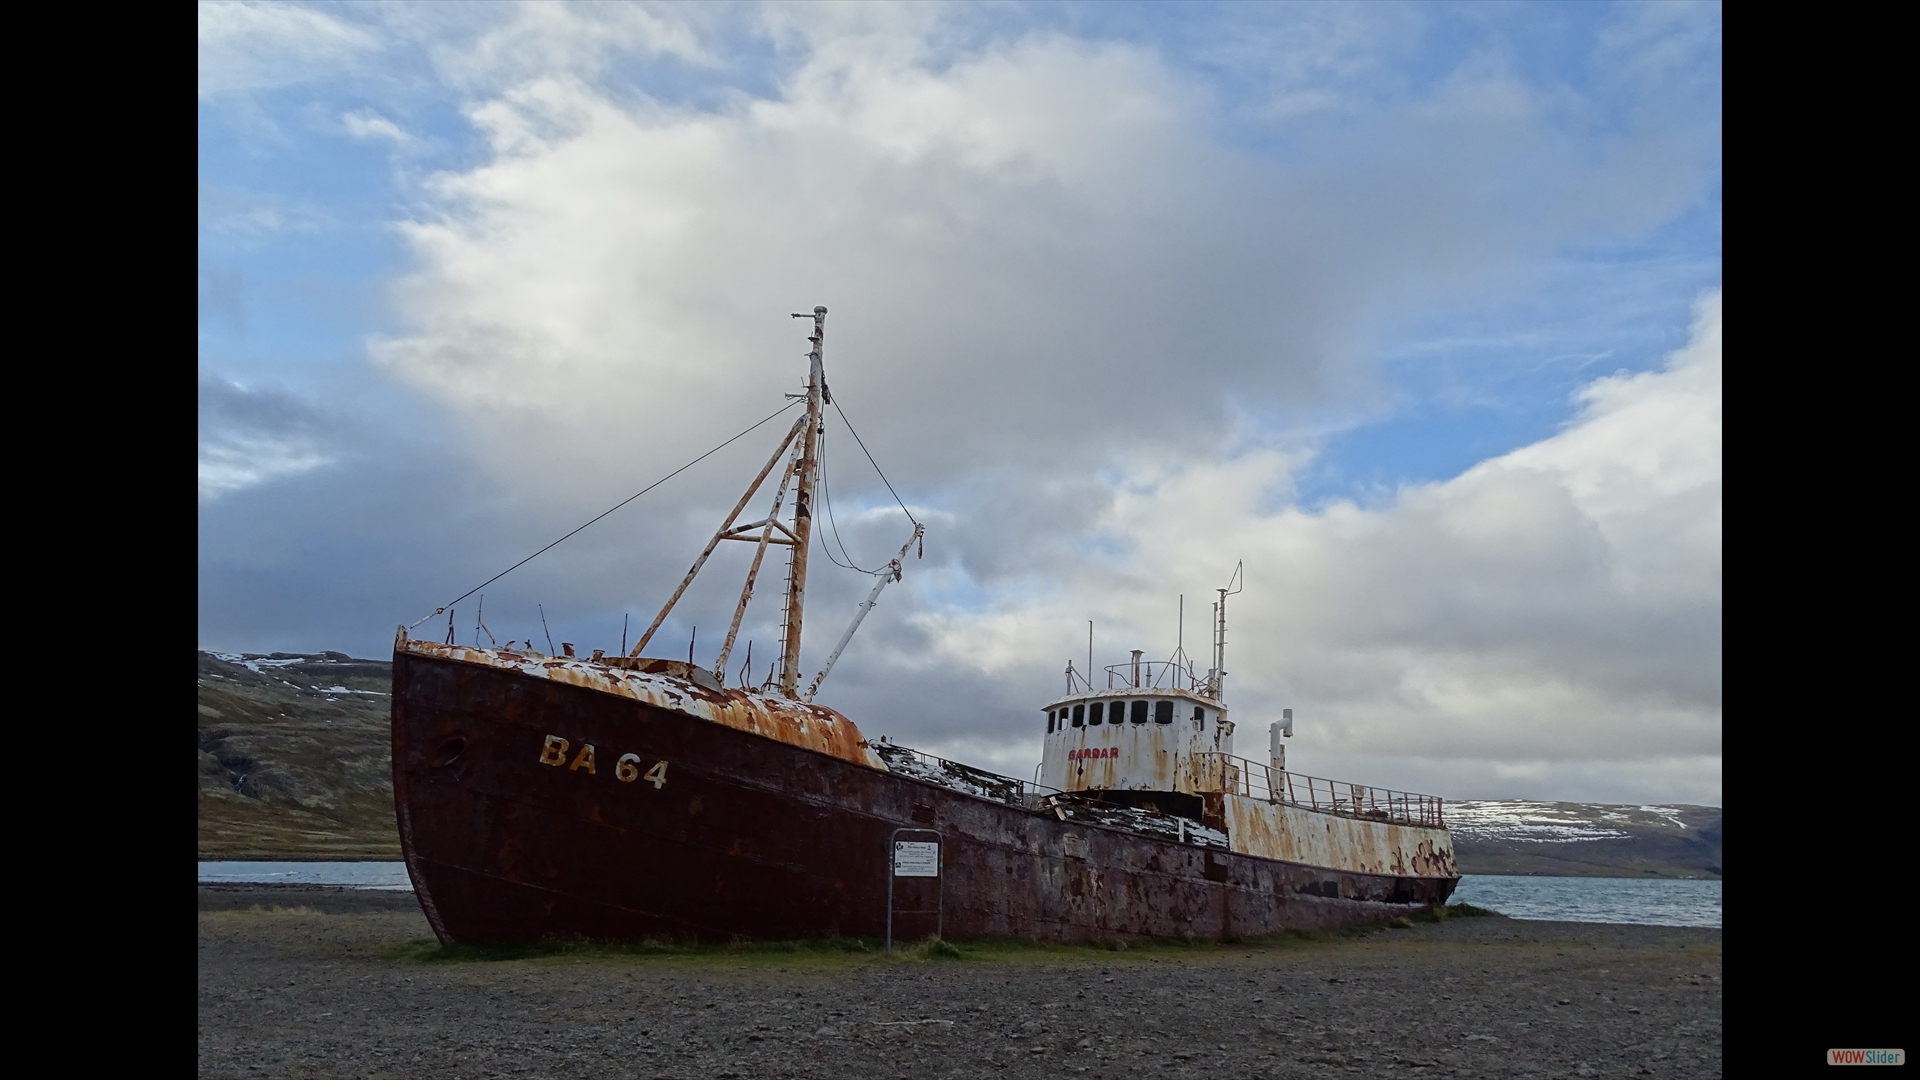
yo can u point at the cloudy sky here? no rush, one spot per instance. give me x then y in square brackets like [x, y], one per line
[1413, 309]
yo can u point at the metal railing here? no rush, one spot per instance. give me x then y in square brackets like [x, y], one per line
[1224, 772]
[1152, 675]
[1205, 772]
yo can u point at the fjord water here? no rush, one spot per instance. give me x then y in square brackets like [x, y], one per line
[1649, 901]
[352, 875]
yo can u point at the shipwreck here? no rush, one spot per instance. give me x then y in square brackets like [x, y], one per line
[626, 797]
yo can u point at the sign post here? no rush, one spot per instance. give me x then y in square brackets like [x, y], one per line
[915, 858]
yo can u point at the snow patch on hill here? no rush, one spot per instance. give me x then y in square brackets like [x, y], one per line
[1556, 823]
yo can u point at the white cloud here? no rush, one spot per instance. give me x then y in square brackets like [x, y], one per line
[368, 126]
[1056, 299]
[251, 215]
[235, 464]
[1545, 624]
[538, 40]
[250, 436]
[1013, 240]
[258, 46]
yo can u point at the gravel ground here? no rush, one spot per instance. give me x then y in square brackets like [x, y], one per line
[326, 986]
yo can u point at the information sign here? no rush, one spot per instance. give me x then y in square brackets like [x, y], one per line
[916, 859]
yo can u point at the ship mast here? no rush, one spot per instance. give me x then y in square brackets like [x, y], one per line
[1217, 677]
[803, 508]
[803, 472]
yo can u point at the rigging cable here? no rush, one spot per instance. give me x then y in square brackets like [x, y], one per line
[610, 510]
[876, 465]
[826, 493]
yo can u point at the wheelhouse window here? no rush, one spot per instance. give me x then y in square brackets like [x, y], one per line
[1093, 713]
[1200, 717]
[1163, 712]
[1139, 712]
[1049, 722]
[1079, 716]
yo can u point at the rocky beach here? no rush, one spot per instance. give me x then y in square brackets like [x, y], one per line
[321, 982]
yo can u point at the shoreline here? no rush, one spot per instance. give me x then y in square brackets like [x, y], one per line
[245, 895]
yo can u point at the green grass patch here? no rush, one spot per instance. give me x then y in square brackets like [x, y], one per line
[843, 950]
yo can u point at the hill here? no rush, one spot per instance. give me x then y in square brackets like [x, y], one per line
[1585, 839]
[294, 757]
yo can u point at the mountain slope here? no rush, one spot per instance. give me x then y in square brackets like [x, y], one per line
[294, 756]
[1585, 839]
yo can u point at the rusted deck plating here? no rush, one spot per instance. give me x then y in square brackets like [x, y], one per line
[676, 685]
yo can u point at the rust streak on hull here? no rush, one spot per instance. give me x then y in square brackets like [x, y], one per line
[747, 835]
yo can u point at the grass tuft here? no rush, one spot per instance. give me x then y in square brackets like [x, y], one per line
[932, 948]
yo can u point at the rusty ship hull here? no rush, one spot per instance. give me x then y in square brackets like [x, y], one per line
[675, 826]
